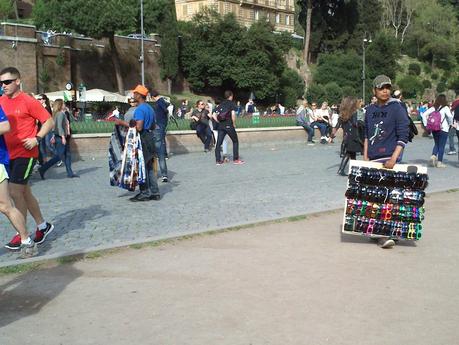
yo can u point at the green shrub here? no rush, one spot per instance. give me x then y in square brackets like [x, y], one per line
[411, 86]
[414, 69]
[453, 84]
[427, 84]
[427, 69]
[333, 92]
[434, 76]
[441, 87]
[350, 91]
[316, 93]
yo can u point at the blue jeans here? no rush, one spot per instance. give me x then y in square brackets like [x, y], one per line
[205, 134]
[62, 153]
[309, 130]
[160, 145]
[322, 127]
[440, 139]
[150, 187]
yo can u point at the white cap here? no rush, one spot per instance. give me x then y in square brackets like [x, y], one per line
[397, 93]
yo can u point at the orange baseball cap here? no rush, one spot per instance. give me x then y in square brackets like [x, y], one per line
[142, 90]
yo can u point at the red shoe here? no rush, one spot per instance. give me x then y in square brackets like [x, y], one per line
[15, 243]
[40, 235]
[238, 162]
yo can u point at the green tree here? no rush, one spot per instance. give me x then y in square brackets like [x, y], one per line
[160, 18]
[344, 69]
[6, 8]
[334, 93]
[210, 46]
[291, 86]
[411, 86]
[94, 18]
[316, 93]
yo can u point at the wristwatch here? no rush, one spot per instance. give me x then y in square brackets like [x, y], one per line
[39, 139]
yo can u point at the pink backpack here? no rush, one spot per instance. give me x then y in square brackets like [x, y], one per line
[434, 121]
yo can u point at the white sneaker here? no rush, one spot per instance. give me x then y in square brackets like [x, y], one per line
[386, 243]
[433, 161]
[441, 165]
[450, 153]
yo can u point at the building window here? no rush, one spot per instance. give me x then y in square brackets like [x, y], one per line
[287, 20]
[257, 14]
[185, 10]
[277, 18]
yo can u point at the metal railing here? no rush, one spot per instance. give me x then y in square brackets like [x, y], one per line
[264, 121]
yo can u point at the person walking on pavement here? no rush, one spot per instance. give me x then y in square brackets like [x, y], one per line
[61, 140]
[440, 136]
[386, 131]
[144, 116]
[225, 116]
[161, 117]
[22, 142]
[28, 247]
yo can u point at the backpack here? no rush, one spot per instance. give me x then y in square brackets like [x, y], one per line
[434, 121]
[222, 114]
[413, 130]
[250, 108]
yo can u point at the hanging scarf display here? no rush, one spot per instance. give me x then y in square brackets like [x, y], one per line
[115, 153]
[132, 170]
[385, 203]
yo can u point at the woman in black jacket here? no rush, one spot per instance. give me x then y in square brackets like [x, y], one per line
[352, 132]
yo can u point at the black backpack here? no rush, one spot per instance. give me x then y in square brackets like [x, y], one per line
[222, 113]
[412, 129]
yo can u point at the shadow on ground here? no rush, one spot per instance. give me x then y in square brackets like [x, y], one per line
[18, 300]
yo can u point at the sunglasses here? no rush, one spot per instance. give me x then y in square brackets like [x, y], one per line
[7, 82]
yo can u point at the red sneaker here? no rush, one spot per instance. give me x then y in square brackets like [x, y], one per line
[15, 243]
[40, 235]
[238, 162]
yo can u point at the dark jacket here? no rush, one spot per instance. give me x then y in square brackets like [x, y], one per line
[385, 127]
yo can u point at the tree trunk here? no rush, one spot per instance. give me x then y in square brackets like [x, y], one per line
[116, 65]
[15, 8]
[169, 86]
[307, 37]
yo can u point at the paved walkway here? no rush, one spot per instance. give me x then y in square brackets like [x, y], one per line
[275, 182]
[286, 283]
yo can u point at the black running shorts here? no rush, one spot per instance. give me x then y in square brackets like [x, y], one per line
[20, 170]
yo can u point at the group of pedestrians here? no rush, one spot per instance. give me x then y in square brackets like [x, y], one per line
[324, 119]
[216, 125]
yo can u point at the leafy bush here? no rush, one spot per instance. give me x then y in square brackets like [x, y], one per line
[316, 93]
[414, 69]
[411, 86]
[441, 87]
[428, 70]
[427, 84]
[292, 87]
[434, 76]
[454, 84]
[333, 92]
[349, 91]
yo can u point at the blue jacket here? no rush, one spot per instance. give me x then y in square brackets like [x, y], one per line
[386, 127]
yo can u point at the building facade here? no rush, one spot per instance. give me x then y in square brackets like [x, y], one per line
[281, 13]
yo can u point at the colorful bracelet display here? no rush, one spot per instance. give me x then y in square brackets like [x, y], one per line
[385, 202]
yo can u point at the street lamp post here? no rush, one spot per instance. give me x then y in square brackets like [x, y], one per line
[364, 42]
[142, 57]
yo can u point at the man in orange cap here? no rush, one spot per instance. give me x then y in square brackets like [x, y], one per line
[144, 117]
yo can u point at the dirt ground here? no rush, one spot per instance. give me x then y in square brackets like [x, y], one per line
[286, 283]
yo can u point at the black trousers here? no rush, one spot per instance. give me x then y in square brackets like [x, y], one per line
[222, 132]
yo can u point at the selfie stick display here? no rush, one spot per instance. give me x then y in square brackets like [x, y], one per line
[385, 202]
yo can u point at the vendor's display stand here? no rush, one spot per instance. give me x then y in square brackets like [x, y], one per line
[385, 202]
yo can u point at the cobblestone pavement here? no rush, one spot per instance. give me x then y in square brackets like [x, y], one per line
[275, 182]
